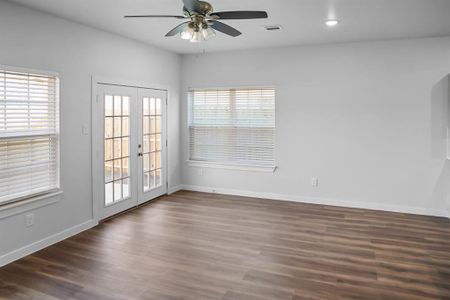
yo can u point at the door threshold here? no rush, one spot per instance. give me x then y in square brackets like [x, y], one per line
[148, 202]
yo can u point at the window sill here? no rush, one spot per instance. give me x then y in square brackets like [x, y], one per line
[205, 164]
[32, 203]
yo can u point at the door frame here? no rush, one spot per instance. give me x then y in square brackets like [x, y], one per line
[96, 131]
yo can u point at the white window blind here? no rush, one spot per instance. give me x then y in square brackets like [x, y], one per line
[232, 126]
[28, 135]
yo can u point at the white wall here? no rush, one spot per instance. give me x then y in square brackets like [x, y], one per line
[35, 40]
[368, 119]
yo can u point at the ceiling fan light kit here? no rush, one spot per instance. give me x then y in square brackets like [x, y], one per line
[204, 22]
[197, 30]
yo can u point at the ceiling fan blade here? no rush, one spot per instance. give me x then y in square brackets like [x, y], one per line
[192, 5]
[224, 28]
[240, 15]
[177, 29]
[156, 16]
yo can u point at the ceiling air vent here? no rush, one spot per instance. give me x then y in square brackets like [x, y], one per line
[272, 27]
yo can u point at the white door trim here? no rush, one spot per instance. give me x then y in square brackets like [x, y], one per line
[95, 130]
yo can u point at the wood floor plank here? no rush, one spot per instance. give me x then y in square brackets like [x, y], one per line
[196, 246]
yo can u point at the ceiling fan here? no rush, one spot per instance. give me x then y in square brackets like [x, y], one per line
[203, 21]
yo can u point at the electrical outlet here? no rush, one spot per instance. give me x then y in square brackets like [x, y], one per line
[29, 220]
[315, 182]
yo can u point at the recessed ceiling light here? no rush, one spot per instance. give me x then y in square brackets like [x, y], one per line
[331, 23]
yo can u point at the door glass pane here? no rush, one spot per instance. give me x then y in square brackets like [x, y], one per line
[158, 107]
[158, 142]
[117, 126]
[125, 167]
[125, 127]
[152, 106]
[146, 147]
[125, 147]
[152, 161]
[108, 171]
[109, 193]
[108, 105]
[117, 169]
[117, 190]
[126, 187]
[146, 106]
[117, 105]
[152, 127]
[158, 160]
[146, 182]
[108, 149]
[125, 106]
[146, 162]
[158, 178]
[152, 179]
[117, 149]
[158, 124]
[108, 127]
[146, 125]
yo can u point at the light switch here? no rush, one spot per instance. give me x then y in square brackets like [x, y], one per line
[29, 220]
[85, 129]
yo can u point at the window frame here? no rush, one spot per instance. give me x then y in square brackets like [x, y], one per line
[228, 165]
[51, 193]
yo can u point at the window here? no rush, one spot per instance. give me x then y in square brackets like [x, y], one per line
[232, 126]
[28, 135]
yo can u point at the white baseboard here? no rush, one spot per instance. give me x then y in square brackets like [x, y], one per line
[322, 201]
[175, 189]
[48, 241]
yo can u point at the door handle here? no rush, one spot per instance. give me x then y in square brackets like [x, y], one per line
[140, 154]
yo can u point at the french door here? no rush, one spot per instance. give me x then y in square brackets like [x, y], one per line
[133, 139]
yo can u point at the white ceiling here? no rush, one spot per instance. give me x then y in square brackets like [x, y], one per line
[302, 20]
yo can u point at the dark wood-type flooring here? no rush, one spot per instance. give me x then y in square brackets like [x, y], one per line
[214, 247]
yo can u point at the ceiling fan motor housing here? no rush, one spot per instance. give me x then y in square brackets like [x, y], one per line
[202, 8]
